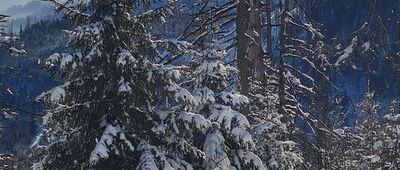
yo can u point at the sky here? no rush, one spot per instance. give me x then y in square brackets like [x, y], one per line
[4, 4]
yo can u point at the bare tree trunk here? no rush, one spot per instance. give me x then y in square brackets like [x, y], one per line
[320, 104]
[281, 83]
[253, 32]
[244, 63]
[269, 28]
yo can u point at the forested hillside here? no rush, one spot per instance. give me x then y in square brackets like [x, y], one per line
[264, 84]
[338, 20]
[25, 79]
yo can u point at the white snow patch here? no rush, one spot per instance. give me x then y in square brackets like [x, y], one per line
[243, 136]
[38, 138]
[366, 46]
[38, 166]
[225, 116]
[398, 129]
[198, 120]
[215, 154]
[65, 60]
[56, 94]
[313, 31]
[152, 157]
[392, 117]
[182, 94]
[124, 86]
[249, 157]
[204, 95]
[234, 99]
[15, 51]
[378, 144]
[346, 52]
[54, 58]
[101, 149]
[339, 131]
[124, 57]
[147, 160]
[373, 158]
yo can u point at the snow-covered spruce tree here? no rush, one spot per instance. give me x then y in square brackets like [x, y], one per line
[357, 148]
[209, 132]
[272, 142]
[369, 129]
[102, 116]
[371, 144]
[385, 143]
[228, 142]
[389, 145]
[123, 108]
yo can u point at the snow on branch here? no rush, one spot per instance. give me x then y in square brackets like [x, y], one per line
[182, 95]
[126, 57]
[15, 51]
[204, 95]
[54, 95]
[64, 59]
[346, 52]
[152, 158]
[251, 160]
[227, 117]
[70, 11]
[233, 99]
[196, 120]
[214, 150]
[101, 149]
[306, 26]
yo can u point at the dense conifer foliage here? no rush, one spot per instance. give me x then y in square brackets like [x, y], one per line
[227, 85]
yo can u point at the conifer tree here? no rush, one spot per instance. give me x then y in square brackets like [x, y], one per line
[103, 115]
[228, 143]
[276, 88]
[389, 145]
[123, 105]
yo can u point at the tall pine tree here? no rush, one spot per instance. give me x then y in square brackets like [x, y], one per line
[104, 110]
[123, 105]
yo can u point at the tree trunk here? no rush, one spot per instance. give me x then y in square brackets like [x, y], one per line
[244, 63]
[281, 83]
[253, 32]
[269, 28]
